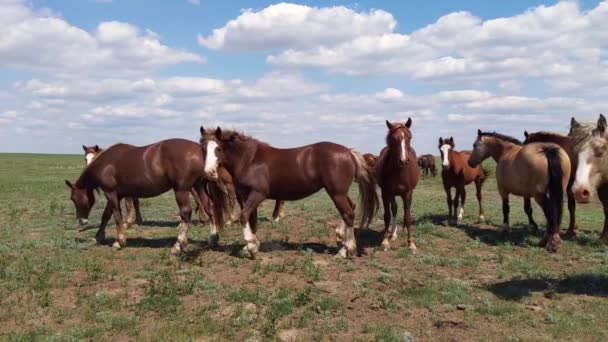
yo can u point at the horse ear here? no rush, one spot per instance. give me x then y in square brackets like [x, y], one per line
[526, 134]
[440, 141]
[408, 123]
[218, 132]
[601, 124]
[84, 148]
[574, 123]
[202, 130]
[479, 132]
[67, 182]
[388, 124]
[97, 148]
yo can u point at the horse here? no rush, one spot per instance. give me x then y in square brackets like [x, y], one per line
[132, 204]
[261, 171]
[396, 175]
[456, 173]
[128, 171]
[370, 159]
[427, 163]
[589, 141]
[539, 170]
[565, 143]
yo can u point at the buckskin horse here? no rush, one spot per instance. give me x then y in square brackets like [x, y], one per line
[456, 173]
[132, 204]
[261, 171]
[546, 167]
[397, 175]
[128, 171]
[565, 143]
[589, 145]
[427, 164]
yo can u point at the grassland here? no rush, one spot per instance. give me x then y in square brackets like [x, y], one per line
[465, 283]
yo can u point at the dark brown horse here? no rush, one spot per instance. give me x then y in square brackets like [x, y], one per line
[427, 163]
[261, 171]
[565, 143]
[456, 173]
[128, 171]
[397, 175]
[132, 204]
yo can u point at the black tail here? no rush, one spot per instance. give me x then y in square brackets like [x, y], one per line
[554, 195]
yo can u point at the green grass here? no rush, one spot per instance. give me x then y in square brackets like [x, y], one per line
[467, 282]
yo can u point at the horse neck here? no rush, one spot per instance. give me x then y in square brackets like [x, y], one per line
[240, 154]
[498, 147]
[392, 155]
[86, 179]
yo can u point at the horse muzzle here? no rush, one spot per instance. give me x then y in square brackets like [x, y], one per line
[582, 195]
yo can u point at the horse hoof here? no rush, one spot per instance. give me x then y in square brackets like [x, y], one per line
[116, 245]
[214, 240]
[385, 245]
[342, 253]
[413, 247]
[553, 243]
[482, 218]
[277, 219]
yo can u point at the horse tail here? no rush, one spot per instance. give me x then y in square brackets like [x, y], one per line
[219, 199]
[554, 194]
[368, 198]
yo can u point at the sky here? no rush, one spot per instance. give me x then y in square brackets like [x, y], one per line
[134, 71]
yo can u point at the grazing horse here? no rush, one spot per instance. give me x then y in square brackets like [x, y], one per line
[132, 204]
[589, 142]
[128, 171]
[397, 176]
[427, 164]
[565, 143]
[456, 173]
[261, 171]
[539, 170]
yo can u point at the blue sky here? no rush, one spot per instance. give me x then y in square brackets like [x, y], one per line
[98, 72]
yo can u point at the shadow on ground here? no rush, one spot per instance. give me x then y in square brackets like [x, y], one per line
[582, 284]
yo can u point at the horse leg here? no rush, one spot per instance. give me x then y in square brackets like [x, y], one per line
[114, 202]
[100, 237]
[251, 204]
[478, 185]
[390, 219]
[343, 204]
[182, 198]
[455, 203]
[505, 214]
[602, 192]
[229, 184]
[407, 218]
[448, 193]
[573, 226]
[279, 211]
[200, 208]
[528, 210]
[130, 212]
[207, 206]
[551, 240]
[138, 218]
[463, 196]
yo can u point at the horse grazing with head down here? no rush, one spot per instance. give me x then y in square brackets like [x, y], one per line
[539, 170]
[456, 173]
[128, 171]
[397, 175]
[589, 146]
[426, 162]
[565, 143]
[261, 171]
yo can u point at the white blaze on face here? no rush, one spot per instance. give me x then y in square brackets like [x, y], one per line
[89, 158]
[403, 151]
[445, 150]
[211, 160]
[583, 171]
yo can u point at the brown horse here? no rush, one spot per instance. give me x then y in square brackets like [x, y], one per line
[539, 170]
[132, 204]
[565, 143]
[261, 171]
[370, 159]
[427, 163]
[127, 171]
[397, 175]
[456, 173]
[589, 142]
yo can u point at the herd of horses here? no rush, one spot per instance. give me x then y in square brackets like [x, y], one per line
[227, 167]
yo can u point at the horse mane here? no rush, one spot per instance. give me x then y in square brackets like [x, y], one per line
[581, 134]
[502, 137]
[546, 136]
[231, 135]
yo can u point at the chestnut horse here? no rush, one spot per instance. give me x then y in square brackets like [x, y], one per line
[261, 171]
[565, 143]
[589, 145]
[397, 175]
[427, 163]
[132, 204]
[370, 159]
[539, 170]
[127, 171]
[456, 173]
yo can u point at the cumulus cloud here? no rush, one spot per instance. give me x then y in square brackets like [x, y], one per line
[38, 40]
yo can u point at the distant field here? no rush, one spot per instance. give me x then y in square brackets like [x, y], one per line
[464, 283]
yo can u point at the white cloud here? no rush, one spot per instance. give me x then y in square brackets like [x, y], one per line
[37, 40]
[195, 2]
[286, 25]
